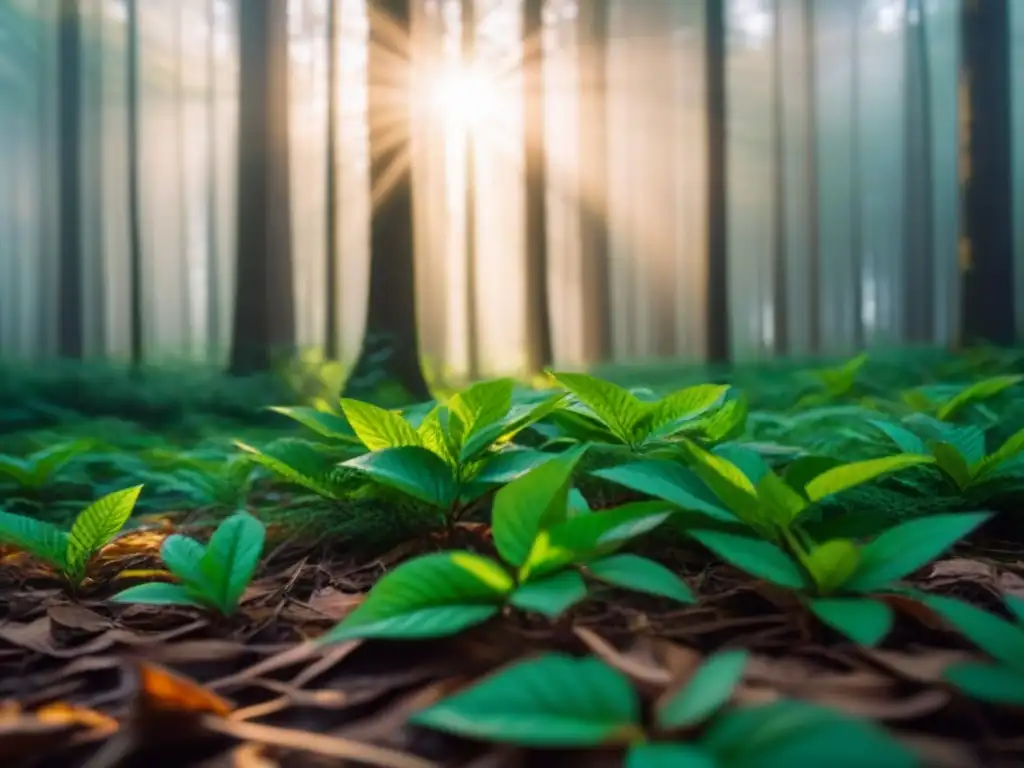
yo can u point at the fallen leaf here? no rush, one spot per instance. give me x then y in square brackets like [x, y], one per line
[333, 603]
[71, 616]
[161, 690]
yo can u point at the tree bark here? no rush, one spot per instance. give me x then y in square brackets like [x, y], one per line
[134, 201]
[264, 319]
[70, 335]
[332, 273]
[388, 368]
[718, 281]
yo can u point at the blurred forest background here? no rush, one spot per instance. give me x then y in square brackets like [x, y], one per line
[464, 188]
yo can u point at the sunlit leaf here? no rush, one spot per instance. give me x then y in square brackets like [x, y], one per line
[482, 405]
[158, 593]
[832, 564]
[412, 470]
[616, 407]
[379, 428]
[848, 476]
[97, 525]
[38, 538]
[976, 392]
[674, 411]
[323, 423]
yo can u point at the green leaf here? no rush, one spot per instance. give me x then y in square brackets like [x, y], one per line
[864, 621]
[1011, 448]
[706, 692]
[183, 557]
[511, 464]
[969, 441]
[640, 574]
[976, 392]
[953, 463]
[323, 423]
[832, 564]
[727, 422]
[231, 558]
[905, 440]
[993, 634]
[532, 503]
[988, 682]
[758, 558]
[431, 596]
[158, 593]
[801, 471]
[477, 407]
[40, 539]
[550, 596]
[412, 470]
[848, 476]
[727, 481]
[668, 481]
[297, 462]
[1016, 607]
[616, 407]
[97, 525]
[672, 413]
[434, 434]
[903, 549]
[16, 470]
[550, 701]
[782, 502]
[745, 457]
[668, 756]
[379, 428]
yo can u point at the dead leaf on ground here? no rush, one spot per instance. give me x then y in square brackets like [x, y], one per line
[333, 603]
[26, 734]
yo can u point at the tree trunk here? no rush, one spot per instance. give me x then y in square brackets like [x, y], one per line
[538, 312]
[264, 320]
[718, 283]
[134, 202]
[388, 368]
[468, 53]
[332, 273]
[70, 339]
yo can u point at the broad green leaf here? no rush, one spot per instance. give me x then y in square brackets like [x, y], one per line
[832, 564]
[760, 559]
[864, 621]
[323, 423]
[379, 428]
[658, 755]
[988, 682]
[511, 464]
[552, 595]
[804, 469]
[788, 733]
[42, 465]
[669, 481]
[158, 593]
[850, 475]
[727, 481]
[901, 550]
[727, 422]
[297, 462]
[40, 539]
[1016, 607]
[905, 440]
[1011, 448]
[532, 503]
[581, 427]
[412, 470]
[981, 390]
[431, 596]
[706, 692]
[433, 433]
[578, 504]
[993, 634]
[969, 441]
[618, 408]
[673, 412]
[17, 470]
[479, 406]
[640, 574]
[550, 701]
[745, 457]
[782, 502]
[953, 463]
[231, 558]
[183, 557]
[97, 525]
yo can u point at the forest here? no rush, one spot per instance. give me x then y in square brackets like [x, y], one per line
[486, 383]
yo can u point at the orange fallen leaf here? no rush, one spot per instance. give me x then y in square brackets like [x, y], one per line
[164, 691]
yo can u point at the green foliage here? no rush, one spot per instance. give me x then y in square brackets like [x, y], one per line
[71, 552]
[214, 576]
[38, 469]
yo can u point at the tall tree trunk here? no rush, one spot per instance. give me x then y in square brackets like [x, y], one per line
[718, 281]
[779, 271]
[468, 55]
[390, 356]
[538, 312]
[331, 193]
[593, 150]
[70, 338]
[213, 280]
[134, 201]
[264, 321]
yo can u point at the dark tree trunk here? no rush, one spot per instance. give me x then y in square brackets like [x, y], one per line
[332, 274]
[779, 270]
[594, 227]
[468, 51]
[70, 336]
[264, 321]
[213, 279]
[134, 202]
[390, 356]
[718, 285]
[988, 301]
[538, 312]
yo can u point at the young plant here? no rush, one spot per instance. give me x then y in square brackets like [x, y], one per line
[948, 408]
[212, 577]
[834, 383]
[70, 552]
[836, 579]
[1001, 682]
[458, 451]
[558, 701]
[604, 412]
[303, 463]
[545, 546]
[744, 490]
[217, 484]
[35, 471]
[959, 452]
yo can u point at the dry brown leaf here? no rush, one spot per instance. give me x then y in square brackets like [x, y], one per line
[161, 690]
[334, 604]
[71, 616]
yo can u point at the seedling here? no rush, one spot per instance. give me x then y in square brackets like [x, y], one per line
[35, 471]
[834, 383]
[1001, 682]
[947, 409]
[70, 552]
[212, 577]
[545, 546]
[836, 578]
[557, 701]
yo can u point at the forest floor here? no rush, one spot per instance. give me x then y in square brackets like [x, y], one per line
[88, 682]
